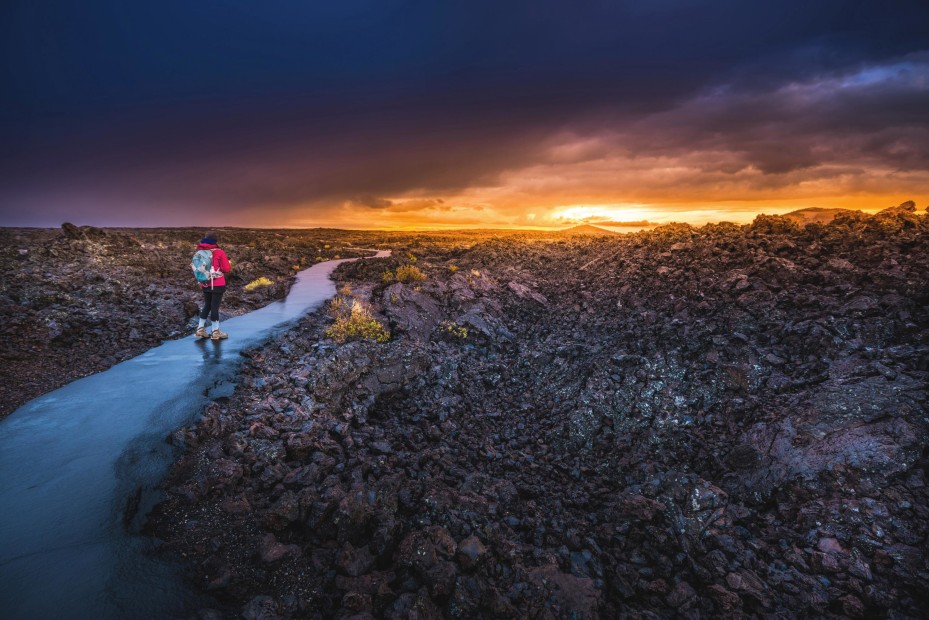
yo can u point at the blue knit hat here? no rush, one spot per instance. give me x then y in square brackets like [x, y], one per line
[210, 238]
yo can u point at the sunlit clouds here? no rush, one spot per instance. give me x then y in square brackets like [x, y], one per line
[856, 140]
[605, 113]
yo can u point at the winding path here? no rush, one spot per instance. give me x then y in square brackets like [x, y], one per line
[78, 469]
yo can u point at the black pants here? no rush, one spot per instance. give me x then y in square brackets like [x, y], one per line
[211, 299]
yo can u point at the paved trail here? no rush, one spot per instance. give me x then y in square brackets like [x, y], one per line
[78, 468]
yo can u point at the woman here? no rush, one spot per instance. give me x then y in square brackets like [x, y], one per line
[214, 289]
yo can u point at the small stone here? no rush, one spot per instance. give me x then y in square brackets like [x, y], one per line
[825, 562]
[734, 580]
[859, 568]
[852, 606]
[471, 551]
[261, 608]
[271, 551]
[774, 360]
[830, 545]
[683, 595]
[381, 447]
[355, 562]
[726, 600]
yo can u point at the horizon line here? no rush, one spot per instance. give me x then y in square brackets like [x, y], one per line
[609, 227]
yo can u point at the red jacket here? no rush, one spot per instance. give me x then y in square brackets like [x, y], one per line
[220, 263]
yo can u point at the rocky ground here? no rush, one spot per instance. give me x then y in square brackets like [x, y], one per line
[695, 422]
[79, 299]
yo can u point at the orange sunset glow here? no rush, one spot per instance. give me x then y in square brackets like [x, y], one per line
[644, 137]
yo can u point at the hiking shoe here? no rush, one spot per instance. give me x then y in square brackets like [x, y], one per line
[219, 335]
[201, 333]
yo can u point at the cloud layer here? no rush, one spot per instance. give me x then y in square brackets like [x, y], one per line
[362, 115]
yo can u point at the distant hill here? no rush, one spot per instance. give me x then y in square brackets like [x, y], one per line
[628, 224]
[819, 215]
[587, 229]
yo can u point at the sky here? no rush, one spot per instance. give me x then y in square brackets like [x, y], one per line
[434, 114]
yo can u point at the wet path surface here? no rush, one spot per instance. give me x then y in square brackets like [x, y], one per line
[78, 467]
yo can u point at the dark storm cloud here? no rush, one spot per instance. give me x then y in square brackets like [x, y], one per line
[871, 115]
[395, 206]
[173, 107]
[373, 202]
[291, 159]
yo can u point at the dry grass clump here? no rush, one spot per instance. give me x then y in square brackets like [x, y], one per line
[338, 306]
[409, 274]
[354, 321]
[257, 283]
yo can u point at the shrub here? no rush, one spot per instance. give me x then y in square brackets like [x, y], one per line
[453, 330]
[453, 268]
[354, 323]
[409, 273]
[337, 307]
[387, 277]
[258, 283]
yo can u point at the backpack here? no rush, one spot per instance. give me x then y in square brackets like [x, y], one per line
[202, 265]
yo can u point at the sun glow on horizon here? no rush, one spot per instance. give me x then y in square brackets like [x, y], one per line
[459, 213]
[593, 213]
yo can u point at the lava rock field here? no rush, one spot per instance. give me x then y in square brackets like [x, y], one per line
[723, 421]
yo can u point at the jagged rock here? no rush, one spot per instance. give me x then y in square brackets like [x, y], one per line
[410, 311]
[575, 596]
[355, 562]
[71, 231]
[471, 551]
[271, 551]
[715, 421]
[524, 292]
[261, 608]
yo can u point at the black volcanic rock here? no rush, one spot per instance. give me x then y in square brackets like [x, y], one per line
[811, 215]
[78, 300]
[707, 422]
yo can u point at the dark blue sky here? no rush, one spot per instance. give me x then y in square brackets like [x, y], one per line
[295, 112]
